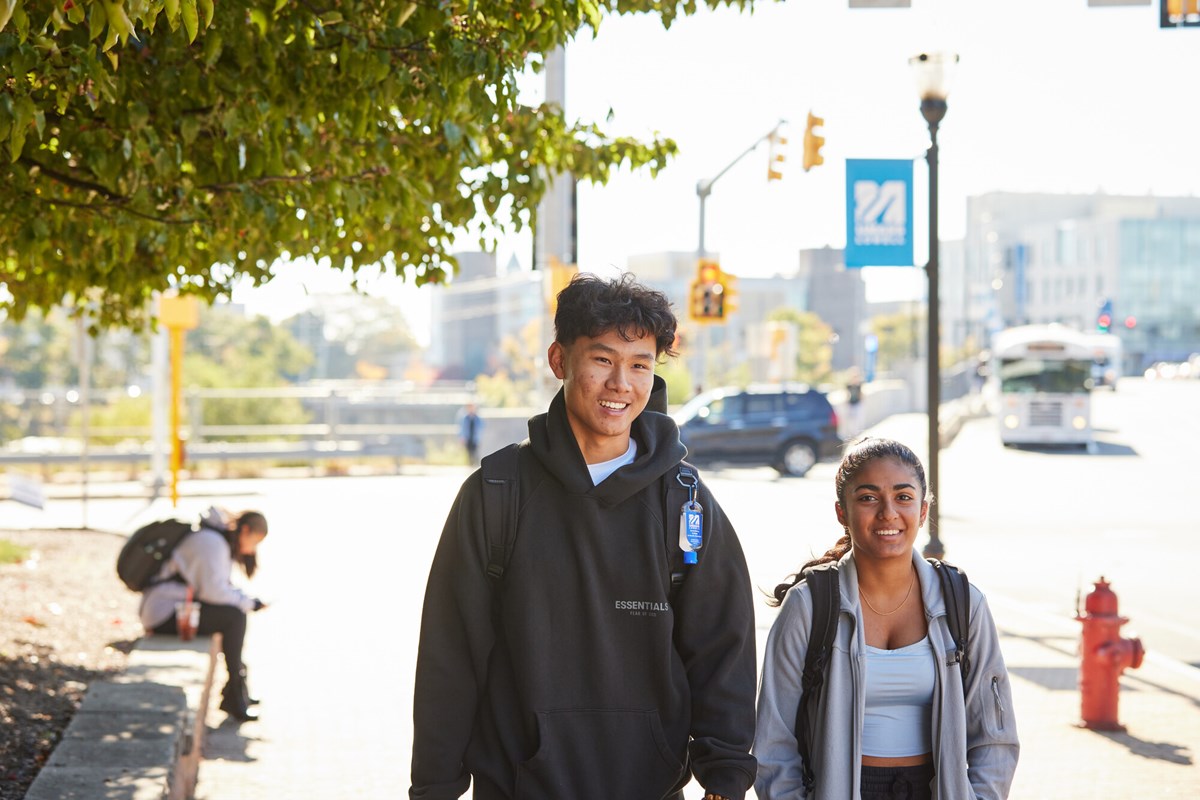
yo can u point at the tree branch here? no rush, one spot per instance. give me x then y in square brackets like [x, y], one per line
[366, 174]
[120, 205]
[77, 183]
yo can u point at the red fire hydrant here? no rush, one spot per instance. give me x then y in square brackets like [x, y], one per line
[1105, 656]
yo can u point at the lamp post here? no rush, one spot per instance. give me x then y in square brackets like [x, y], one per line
[931, 71]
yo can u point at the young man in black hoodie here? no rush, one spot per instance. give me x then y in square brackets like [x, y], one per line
[580, 677]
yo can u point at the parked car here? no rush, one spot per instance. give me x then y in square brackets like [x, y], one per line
[786, 426]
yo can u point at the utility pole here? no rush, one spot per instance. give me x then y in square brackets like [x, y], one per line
[554, 229]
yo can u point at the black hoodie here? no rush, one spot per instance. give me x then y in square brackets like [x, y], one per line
[595, 686]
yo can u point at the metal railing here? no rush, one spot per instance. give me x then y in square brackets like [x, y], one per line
[343, 420]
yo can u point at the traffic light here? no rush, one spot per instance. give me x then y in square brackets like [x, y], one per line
[813, 143]
[1105, 317]
[708, 293]
[775, 156]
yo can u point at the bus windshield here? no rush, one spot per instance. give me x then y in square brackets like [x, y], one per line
[1030, 375]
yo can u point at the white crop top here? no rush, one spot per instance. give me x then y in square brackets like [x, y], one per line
[899, 714]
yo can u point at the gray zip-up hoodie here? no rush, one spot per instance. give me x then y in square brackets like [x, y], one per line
[975, 744]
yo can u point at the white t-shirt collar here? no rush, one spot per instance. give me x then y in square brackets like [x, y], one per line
[605, 468]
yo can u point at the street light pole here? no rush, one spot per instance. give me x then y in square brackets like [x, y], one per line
[704, 188]
[930, 70]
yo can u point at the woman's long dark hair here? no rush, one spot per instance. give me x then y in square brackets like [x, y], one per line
[256, 522]
[858, 455]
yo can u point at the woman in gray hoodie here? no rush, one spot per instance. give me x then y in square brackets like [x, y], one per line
[894, 719]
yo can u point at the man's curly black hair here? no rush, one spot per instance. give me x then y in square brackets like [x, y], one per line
[591, 306]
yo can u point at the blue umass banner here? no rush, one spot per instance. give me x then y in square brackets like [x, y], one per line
[879, 227]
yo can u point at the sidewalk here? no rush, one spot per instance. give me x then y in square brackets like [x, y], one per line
[332, 731]
[1159, 705]
[1154, 758]
[336, 698]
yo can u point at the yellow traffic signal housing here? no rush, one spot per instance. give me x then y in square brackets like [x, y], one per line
[728, 293]
[557, 278]
[813, 143]
[776, 157]
[706, 301]
[709, 272]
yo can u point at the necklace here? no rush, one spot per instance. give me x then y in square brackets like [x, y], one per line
[912, 582]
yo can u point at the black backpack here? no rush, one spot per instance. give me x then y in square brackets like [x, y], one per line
[502, 498]
[147, 550]
[822, 581]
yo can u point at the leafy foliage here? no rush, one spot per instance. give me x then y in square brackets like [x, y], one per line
[12, 553]
[242, 351]
[39, 352]
[515, 384]
[814, 344]
[155, 144]
[354, 336]
[228, 351]
[675, 372]
[899, 337]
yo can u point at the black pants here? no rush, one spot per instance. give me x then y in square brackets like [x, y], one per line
[229, 621]
[897, 783]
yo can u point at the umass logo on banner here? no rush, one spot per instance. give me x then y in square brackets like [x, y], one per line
[879, 228]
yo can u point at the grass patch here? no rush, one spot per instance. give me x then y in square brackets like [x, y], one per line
[11, 553]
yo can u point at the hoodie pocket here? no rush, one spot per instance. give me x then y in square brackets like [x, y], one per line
[593, 753]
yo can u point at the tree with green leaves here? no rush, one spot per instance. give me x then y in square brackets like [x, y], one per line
[353, 336]
[147, 145]
[814, 344]
[899, 338]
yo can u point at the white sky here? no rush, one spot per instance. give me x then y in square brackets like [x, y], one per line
[1050, 95]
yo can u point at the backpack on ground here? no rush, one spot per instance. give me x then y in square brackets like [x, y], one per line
[822, 581]
[144, 553]
[502, 497]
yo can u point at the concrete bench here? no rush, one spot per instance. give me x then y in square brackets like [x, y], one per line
[140, 735]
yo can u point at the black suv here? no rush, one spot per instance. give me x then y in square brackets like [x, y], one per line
[789, 427]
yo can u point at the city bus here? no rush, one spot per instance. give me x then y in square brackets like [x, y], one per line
[1045, 377]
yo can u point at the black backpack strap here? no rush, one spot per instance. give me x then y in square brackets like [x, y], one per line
[956, 591]
[676, 495]
[501, 497]
[822, 583]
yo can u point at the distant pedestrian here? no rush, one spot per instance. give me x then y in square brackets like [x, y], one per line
[470, 428]
[854, 403]
[202, 564]
[583, 671]
[895, 721]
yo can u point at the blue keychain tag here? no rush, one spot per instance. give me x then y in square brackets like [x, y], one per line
[691, 523]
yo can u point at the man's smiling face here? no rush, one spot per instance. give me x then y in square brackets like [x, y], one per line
[606, 384]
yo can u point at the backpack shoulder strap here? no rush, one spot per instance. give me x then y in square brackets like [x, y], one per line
[501, 497]
[676, 495]
[956, 591]
[822, 583]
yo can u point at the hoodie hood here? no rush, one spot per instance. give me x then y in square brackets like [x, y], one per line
[658, 396]
[659, 450]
